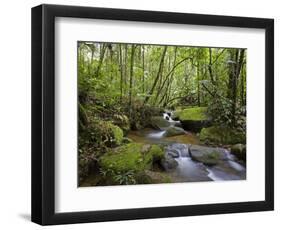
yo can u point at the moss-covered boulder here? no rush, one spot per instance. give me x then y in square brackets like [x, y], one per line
[158, 122]
[122, 121]
[174, 131]
[117, 137]
[133, 157]
[206, 155]
[105, 133]
[222, 135]
[193, 119]
[239, 150]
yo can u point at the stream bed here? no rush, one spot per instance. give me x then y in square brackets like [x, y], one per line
[182, 148]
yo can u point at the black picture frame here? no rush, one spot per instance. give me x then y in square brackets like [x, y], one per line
[43, 114]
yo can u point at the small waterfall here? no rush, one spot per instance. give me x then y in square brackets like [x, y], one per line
[160, 134]
[231, 160]
[217, 174]
[156, 135]
[187, 168]
[213, 175]
[168, 116]
[234, 172]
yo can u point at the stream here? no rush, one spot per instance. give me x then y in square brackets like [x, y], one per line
[187, 169]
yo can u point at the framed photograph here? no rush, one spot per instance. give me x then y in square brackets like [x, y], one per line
[142, 114]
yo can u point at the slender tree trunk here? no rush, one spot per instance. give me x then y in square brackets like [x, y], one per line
[131, 75]
[210, 67]
[121, 71]
[198, 83]
[143, 71]
[242, 89]
[235, 69]
[102, 53]
[125, 75]
[159, 73]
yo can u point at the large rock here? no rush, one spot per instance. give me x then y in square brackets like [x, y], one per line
[174, 131]
[239, 150]
[222, 135]
[176, 150]
[207, 155]
[168, 163]
[173, 153]
[158, 122]
[133, 157]
[193, 119]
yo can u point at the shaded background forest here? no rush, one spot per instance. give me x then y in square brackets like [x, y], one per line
[125, 85]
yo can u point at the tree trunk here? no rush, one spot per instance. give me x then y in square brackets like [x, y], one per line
[235, 69]
[121, 71]
[242, 88]
[210, 67]
[159, 73]
[102, 52]
[131, 75]
[143, 71]
[198, 83]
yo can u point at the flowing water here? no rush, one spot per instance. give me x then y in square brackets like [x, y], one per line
[189, 170]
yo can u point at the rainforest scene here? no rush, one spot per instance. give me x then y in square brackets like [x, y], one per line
[152, 114]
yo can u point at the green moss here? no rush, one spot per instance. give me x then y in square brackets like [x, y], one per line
[124, 158]
[193, 114]
[222, 135]
[214, 155]
[211, 159]
[130, 157]
[117, 134]
[156, 152]
[106, 132]
[174, 131]
[159, 122]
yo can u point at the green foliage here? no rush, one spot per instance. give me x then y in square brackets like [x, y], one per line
[122, 121]
[239, 150]
[222, 135]
[122, 178]
[221, 112]
[94, 142]
[140, 114]
[105, 133]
